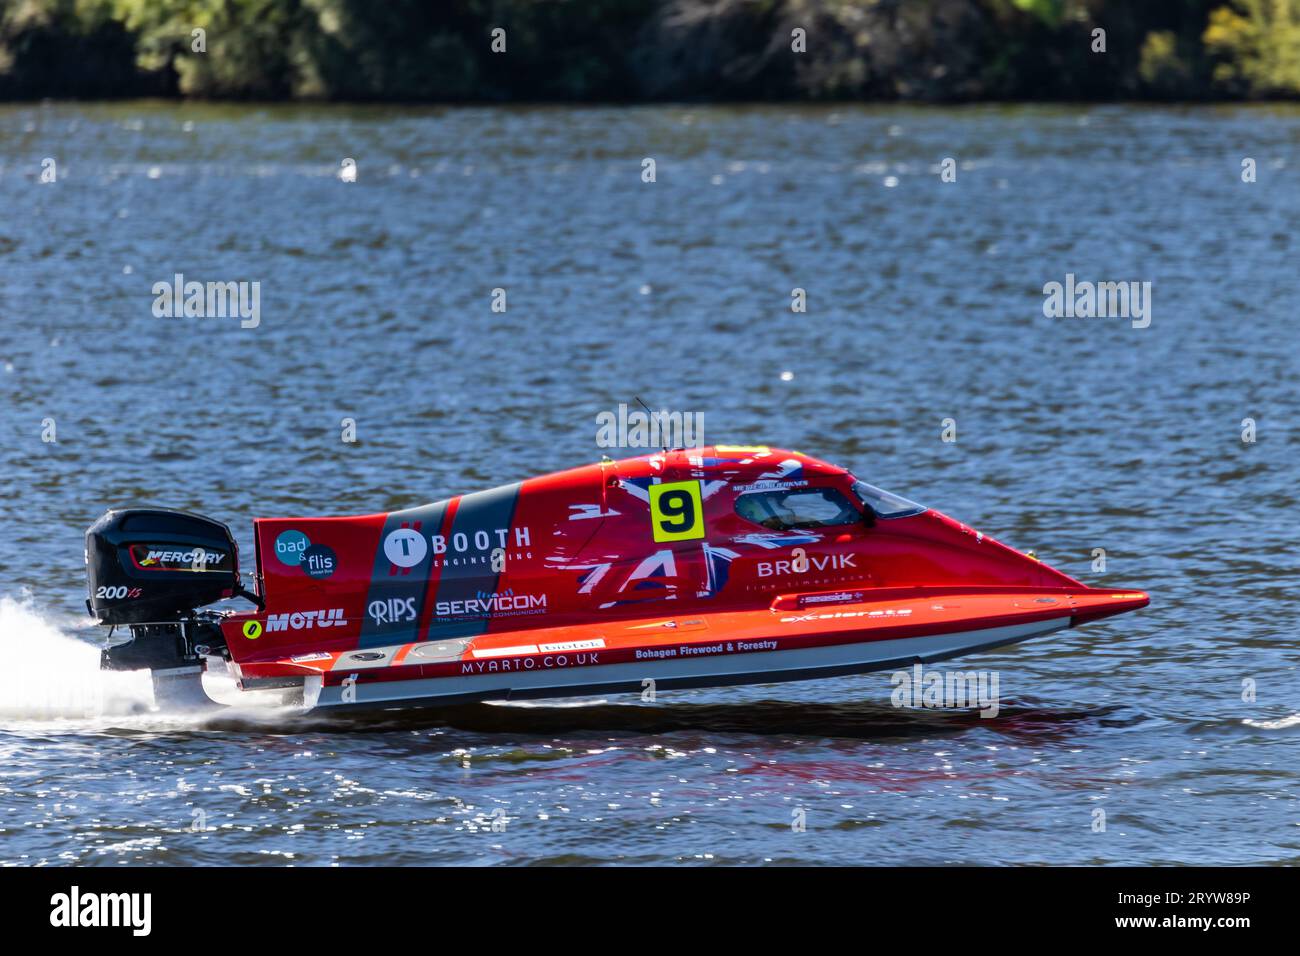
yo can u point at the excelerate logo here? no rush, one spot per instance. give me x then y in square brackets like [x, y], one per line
[1101, 300]
[647, 429]
[75, 909]
[209, 300]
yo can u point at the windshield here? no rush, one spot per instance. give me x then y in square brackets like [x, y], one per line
[883, 503]
[800, 508]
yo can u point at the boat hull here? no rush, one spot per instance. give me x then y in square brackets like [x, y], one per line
[776, 667]
[727, 648]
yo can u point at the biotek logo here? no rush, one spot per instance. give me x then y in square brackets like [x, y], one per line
[305, 620]
[814, 562]
[103, 909]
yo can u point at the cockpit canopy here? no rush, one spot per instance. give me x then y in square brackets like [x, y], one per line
[794, 509]
[885, 504]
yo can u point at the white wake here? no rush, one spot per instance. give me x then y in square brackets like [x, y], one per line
[45, 673]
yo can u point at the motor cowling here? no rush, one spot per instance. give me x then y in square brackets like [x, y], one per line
[146, 565]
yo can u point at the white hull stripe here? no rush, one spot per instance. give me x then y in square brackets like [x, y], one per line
[757, 668]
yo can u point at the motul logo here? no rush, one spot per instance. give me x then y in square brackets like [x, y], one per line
[305, 620]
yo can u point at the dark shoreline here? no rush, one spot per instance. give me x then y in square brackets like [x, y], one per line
[623, 52]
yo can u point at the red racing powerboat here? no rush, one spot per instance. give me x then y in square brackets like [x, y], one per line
[686, 568]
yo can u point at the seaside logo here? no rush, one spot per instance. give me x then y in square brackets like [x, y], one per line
[647, 429]
[919, 688]
[1100, 300]
[211, 300]
[74, 909]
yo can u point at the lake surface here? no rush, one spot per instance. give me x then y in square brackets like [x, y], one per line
[925, 303]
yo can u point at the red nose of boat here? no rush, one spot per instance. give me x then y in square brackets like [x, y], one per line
[1096, 603]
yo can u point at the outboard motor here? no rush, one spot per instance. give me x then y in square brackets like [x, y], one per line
[151, 569]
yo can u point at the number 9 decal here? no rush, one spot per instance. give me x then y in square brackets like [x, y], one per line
[675, 511]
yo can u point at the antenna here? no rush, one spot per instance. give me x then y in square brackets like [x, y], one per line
[650, 415]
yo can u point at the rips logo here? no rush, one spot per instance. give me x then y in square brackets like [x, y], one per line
[305, 620]
[392, 611]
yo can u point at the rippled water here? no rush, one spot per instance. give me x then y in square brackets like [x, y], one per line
[925, 303]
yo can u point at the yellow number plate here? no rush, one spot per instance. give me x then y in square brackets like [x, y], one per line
[676, 512]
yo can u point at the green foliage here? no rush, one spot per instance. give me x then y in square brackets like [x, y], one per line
[1160, 67]
[439, 50]
[1257, 49]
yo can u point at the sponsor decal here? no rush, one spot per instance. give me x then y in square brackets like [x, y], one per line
[405, 547]
[519, 650]
[592, 644]
[310, 658]
[498, 604]
[770, 484]
[890, 612]
[154, 557]
[319, 561]
[294, 549]
[549, 661]
[252, 630]
[289, 547]
[116, 592]
[815, 562]
[772, 540]
[692, 625]
[476, 547]
[704, 650]
[392, 610]
[839, 597]
[305, 620]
